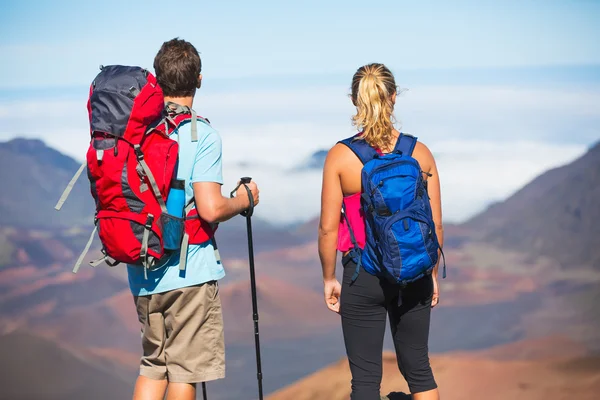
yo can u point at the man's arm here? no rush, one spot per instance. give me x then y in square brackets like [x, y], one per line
[207, 178]
[213, 207]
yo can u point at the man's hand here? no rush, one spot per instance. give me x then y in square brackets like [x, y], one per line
[242, 193]
[435, 299]
[332, 290]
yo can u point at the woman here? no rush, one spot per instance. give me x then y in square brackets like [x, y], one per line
[365, 301]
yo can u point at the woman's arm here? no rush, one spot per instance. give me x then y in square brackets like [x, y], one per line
[427, 162]
[331, 205]
[435, 199]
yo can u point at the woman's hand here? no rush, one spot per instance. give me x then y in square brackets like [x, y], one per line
[332, 291]
[435, 299]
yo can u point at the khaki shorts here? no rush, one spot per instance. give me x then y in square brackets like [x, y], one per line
[182, 334]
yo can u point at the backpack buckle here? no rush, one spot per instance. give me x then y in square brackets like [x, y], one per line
[138, 152]
[384, 212]
[149, 221]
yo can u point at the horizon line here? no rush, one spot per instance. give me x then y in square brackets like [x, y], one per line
[591, 72]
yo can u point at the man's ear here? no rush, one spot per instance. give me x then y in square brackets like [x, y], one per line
[199, 81]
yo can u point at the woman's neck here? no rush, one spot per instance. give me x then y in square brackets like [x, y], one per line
[390, 147]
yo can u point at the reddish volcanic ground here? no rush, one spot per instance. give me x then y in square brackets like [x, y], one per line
[529, 370]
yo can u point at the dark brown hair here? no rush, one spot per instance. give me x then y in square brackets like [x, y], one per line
[177, 66]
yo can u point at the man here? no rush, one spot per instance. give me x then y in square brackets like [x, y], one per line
[180, 311]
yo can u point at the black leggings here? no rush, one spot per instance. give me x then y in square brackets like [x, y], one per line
[364, 306]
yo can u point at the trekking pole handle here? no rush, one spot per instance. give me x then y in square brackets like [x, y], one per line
[245, 181]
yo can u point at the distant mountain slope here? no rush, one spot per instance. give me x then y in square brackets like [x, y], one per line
[314, 162]
[232, 237]
[33, 177]
[38, 369]
[285, 311]
[556, 215]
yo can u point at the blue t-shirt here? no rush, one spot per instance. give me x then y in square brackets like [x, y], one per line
[198, 162]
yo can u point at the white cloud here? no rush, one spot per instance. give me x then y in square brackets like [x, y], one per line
[473, 174]
[488, 140]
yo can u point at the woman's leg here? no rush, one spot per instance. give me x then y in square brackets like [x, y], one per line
[363, 323]
[409, 321]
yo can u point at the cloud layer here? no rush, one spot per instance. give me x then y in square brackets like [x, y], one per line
[488, 140]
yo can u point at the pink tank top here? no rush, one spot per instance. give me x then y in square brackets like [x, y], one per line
[357, 221]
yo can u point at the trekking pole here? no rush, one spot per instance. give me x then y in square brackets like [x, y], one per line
[248, 214]
[204, 391]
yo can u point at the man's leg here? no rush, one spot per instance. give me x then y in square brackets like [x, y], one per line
[152, 382]
[181, 391]
[150, 389]
[195, 346]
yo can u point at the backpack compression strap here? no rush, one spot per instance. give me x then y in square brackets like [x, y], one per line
[361, 148]
[183, 251]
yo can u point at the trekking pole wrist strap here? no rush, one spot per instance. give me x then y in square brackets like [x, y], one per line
[245, 181]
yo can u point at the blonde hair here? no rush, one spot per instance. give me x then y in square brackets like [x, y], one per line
[373, 87]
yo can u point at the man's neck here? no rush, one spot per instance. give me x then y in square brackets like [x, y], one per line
[182, 101]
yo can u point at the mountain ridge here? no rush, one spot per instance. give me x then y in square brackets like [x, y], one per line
[554, 211]
[33, 177]
[51, 296]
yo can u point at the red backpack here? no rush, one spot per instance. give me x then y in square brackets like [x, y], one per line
[131, 164]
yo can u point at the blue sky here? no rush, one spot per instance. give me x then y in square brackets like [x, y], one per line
[63, 42]
[277, 75]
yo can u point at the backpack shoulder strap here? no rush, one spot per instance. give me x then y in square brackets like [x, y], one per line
[173, 116]
[406, 144]
[361, 148]
[193, 118]
[177, 114]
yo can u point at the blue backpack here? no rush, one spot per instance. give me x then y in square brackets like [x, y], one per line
[401, 242]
